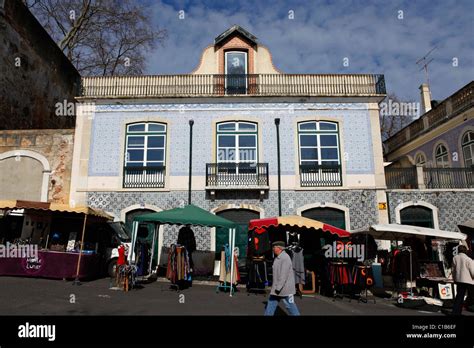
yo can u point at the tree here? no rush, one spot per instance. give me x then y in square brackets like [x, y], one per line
[100, 37]
[396, 114]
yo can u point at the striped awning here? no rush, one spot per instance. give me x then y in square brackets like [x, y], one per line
[296, 221]
[46, 206]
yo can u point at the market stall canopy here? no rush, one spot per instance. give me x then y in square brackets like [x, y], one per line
[189, 215]
[46, 206]
[397, 231]
[467, 227]
[298, 221]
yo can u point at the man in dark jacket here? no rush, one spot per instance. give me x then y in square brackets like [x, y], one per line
[283, 284]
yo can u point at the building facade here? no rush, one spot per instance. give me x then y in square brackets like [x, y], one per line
[132, 147]
[431, 177]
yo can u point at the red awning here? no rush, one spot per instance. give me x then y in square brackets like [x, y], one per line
[298, 221]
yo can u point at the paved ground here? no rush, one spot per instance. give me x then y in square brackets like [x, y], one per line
[29, 296]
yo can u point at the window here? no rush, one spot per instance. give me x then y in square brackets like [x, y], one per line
[468, 148]
[145, 155]
[417, 216]
[319, 158]
[237, 143]
[236, 71]
[331, 216]
[420, 159]
[442, 157]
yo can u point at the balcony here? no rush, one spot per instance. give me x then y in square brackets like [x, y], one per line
[418, 177]
[144, 177]
[448, 178]
[237, 176]
[320, 175]
[401, 178]
[214, 85]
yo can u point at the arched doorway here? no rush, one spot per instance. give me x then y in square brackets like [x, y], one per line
[417, 216]
[24, 175]
[242, 218]
[331, 216]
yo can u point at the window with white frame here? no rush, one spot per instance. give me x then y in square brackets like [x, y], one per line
[420, 159]
[468, 148]
[237, 142]
[442, 156]
[145, 155]
[319, 143]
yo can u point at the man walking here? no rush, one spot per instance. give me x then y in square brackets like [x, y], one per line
[283, 285]
[463, 275]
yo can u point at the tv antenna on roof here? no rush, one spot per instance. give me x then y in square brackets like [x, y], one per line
[424, 62]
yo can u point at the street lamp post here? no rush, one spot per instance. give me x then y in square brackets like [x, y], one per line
[191, 123]
[277, 124]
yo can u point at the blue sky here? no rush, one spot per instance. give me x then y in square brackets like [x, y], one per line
[323, 33]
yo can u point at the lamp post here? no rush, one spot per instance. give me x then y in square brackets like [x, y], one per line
[191, 123]
[277, 124]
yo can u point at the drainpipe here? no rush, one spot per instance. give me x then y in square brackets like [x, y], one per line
[191, 123]
[277, 124]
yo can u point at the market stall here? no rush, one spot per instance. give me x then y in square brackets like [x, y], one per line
[50, 240]
[305, 241]
[189, 215]
[420, 259]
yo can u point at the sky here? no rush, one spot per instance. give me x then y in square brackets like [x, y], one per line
[379, 37]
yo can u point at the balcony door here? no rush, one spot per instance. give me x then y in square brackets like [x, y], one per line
[236, 72]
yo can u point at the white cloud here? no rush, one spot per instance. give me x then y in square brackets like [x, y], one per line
[322, 34]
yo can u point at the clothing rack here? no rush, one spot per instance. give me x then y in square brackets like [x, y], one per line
[178, 270]
[256, 262]
[226, 259]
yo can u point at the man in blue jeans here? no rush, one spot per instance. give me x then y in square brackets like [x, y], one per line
[283, 285]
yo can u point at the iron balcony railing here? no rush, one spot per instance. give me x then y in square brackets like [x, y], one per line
[320, 175]
[401, 178]
[243, 175]
[207, 85]
[144, 177]
[448, 178]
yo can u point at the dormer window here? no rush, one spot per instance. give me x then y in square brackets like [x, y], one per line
[236, 72]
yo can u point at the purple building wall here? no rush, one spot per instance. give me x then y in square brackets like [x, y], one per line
[452, 138]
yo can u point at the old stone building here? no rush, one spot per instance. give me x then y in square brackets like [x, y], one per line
[35, 144]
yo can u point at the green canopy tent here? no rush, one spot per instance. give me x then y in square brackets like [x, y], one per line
[189, 215]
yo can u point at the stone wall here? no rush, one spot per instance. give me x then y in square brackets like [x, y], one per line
[34, 72]
[56, 145]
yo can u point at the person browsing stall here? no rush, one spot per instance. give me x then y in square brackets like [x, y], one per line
[283, 285]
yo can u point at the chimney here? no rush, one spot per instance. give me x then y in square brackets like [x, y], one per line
[425, 98]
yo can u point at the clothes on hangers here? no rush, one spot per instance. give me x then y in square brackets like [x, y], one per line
[178, 264]
[258, 273]
[298, 265]
[292, 238]
[259, 242]
[225, 270]
[362, 276]
[339, 273]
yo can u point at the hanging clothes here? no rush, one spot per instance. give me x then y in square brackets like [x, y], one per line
[362, 276]
[298, 266]
[178, 264]
[258, 273]
[339, 273]
[259, 242]
[225, 270]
